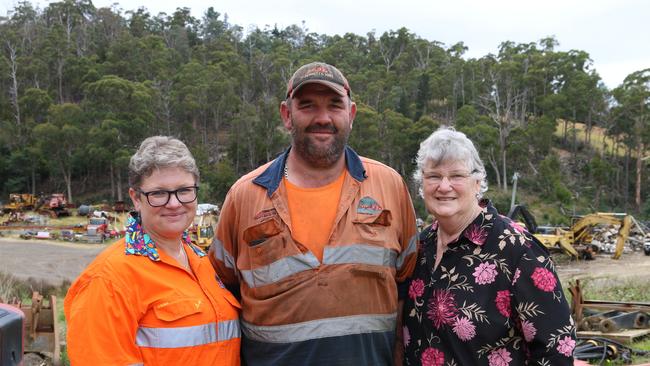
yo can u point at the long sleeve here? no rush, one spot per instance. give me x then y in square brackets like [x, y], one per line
[223, 251]
[408, 237]
[542, 309]
[101, 325]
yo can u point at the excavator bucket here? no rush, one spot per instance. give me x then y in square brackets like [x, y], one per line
[623, 233]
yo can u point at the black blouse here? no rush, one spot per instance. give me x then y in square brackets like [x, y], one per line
[494, 299]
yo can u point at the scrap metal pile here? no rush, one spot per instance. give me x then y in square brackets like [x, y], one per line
[598, 232]
[605, 328]
[604, 239]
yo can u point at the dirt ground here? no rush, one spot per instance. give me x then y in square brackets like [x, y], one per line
[48, 261]
[630, 265]
[56, 262]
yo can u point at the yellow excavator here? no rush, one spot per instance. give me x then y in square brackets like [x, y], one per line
[20, 202]
[202, 230]
[576, 240]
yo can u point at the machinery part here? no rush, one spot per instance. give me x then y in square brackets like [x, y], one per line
[41, 327]
[576, 240]
[623, 320]
[20, 202]
[202, 230]
[11, 335]
[529, 219]
[601, 349]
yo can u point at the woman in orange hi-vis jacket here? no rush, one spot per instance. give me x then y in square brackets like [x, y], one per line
[152, 298]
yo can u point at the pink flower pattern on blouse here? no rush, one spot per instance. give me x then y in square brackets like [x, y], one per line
[464, 328]
[544, 279]
[566, 346]
[442, 308]
[416, 289]
[406, 336]
[476, 234]
[499, 357]
[529, 330]
[503, 302]
[485, 273]
[455, 314]
[432, 357]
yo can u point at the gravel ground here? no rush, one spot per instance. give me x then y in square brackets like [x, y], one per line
[48, 261]
[55, 262]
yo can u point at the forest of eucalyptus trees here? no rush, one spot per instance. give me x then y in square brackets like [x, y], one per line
[81, 86]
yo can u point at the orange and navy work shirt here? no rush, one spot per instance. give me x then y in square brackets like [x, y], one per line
[134, 305]
[297, 309]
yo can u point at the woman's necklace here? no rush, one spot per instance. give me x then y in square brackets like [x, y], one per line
[182, 257]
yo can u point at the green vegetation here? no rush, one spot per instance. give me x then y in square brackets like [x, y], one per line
[82, 86]
[627, 290]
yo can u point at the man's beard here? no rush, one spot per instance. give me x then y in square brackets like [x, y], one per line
[317, 156]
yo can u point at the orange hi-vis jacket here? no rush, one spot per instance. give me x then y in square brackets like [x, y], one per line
[132, 310]
[298, 309]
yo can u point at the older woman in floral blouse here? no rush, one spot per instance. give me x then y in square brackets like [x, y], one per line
[484, 291]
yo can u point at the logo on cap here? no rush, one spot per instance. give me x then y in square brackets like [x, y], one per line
[320, 73]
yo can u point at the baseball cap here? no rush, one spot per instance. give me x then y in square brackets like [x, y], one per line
[319, 73]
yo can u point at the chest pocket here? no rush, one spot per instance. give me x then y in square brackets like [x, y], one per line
[260, 233]
[175, 309]
[272, 258]
[266, 243]
[375, 229]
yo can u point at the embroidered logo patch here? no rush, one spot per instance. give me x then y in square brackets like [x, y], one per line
[264, 214]
[368, 206]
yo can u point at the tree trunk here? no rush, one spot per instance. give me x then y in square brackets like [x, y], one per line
[59, 74]
[112, 175]
[495, 167]
[639, 169]
[120, 197]
[67, 178]
[502, 146]
[626, 177]
[33, 173]
[13, 88]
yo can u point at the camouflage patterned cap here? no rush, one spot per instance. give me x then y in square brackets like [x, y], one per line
[320, 73]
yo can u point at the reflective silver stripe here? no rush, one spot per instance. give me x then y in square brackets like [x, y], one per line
[222, 255]
[322, 328]
[228, 329]
[412, 248]
[136, 364]
[279, 269]
[187, 336]
[360, 253]
[287, 266]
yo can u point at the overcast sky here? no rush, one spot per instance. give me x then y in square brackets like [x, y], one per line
[616, 34]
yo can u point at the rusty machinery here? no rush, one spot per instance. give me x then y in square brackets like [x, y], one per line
[604, 327]
[41, 327]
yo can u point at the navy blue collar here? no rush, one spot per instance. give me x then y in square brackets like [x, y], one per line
[272, 176]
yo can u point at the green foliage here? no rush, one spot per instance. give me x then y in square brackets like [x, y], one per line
[83, 86]
[551, 179]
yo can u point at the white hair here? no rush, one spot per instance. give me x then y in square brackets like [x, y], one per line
[448, 145]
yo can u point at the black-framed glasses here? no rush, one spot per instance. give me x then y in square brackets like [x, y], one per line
[159, 198]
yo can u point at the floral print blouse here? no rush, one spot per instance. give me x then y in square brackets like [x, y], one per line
[494, 299]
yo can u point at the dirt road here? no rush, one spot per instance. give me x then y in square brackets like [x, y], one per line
[55, 262]
[47, 261]
[630, 265]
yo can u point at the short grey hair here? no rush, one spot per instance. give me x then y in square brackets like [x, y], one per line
[159, 152]
[445, 145]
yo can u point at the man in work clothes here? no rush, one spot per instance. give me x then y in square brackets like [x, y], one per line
[317, 239]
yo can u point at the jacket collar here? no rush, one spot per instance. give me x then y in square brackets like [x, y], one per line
[272, 176]
[138, 242]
